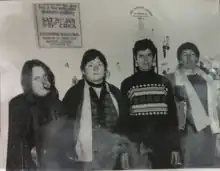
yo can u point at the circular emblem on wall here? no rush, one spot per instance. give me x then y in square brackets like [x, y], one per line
[140, 12]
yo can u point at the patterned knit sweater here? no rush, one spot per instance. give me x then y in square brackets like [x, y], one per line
[152, 115]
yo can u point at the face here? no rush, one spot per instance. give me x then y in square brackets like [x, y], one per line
[145, 59]
[188, 59]
[94, 71]
[40, 83]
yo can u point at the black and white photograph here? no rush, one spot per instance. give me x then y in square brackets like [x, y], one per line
[109, 85]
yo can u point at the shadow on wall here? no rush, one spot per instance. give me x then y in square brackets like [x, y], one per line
[12, 49]
[14, 37]
[13, 41]
[12, 31]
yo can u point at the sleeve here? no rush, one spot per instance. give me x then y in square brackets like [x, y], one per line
[121, 127]
[68, 103]
[125, 119]
[19, 152]
[218, 102]
[63, 112]
[173, 125]
[121, 121]
[180, 98]
[66, 99]
[218, 109]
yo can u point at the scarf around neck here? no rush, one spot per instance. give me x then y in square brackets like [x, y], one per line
[84, 143]
[200, 117]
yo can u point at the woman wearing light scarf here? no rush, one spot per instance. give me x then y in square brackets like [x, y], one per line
[95, 106]
[196, 97]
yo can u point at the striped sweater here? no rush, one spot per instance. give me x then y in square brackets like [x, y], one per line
[148, 99]
[152, 113]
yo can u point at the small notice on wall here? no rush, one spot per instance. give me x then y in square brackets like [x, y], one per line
[58, 25]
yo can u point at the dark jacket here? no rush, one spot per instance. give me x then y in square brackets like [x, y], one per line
[27, 117]
[73, 101]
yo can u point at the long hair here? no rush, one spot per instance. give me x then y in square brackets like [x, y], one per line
[26, 75]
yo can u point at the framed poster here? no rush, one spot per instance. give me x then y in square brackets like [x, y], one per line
[58, 25]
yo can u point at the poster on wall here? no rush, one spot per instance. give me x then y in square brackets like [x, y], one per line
[58, 25]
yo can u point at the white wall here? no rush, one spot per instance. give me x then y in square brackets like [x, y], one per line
[107, 26]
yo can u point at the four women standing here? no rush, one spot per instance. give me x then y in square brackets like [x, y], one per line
[94, 104]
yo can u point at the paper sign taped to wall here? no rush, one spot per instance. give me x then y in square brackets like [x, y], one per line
[58, 25]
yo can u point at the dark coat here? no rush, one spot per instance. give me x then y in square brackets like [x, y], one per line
[73, 101]
[27, 117]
